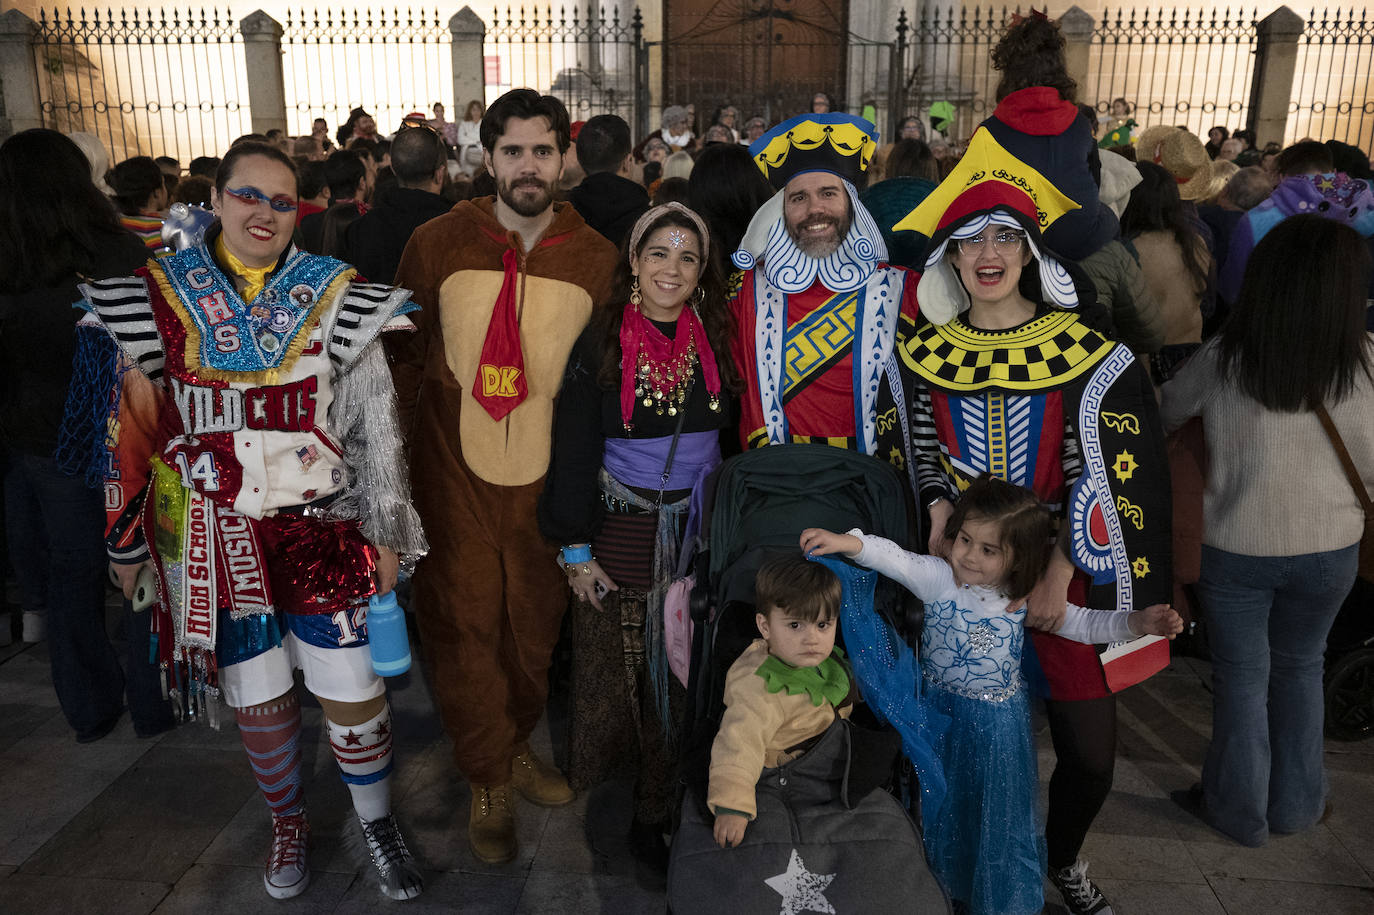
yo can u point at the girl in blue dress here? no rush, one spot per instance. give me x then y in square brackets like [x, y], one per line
[985, 842]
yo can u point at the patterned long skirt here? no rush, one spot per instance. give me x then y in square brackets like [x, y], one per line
[614, 728]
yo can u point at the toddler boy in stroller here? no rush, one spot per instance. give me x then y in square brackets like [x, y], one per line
[822, 837]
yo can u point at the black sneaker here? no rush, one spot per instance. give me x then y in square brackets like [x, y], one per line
[1081, 895]
[396, 867]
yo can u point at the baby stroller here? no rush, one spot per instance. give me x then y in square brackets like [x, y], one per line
[823, 826]
[1349, 680]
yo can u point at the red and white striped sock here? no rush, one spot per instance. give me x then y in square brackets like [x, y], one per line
[271, 735]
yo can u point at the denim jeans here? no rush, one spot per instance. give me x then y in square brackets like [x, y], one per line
[1267, 621]
[58, 524]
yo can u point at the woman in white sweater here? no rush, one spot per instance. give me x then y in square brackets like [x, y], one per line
[1282, 522]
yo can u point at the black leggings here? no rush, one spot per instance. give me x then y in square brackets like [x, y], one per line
[1084, 735]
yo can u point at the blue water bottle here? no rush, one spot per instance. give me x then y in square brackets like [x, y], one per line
[386, 633]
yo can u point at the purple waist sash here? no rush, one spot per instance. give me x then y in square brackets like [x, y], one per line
[638, 462]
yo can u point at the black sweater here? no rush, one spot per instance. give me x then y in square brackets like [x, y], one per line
[37, 343]
[570, 509]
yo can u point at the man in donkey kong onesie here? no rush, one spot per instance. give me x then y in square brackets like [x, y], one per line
[505, 284]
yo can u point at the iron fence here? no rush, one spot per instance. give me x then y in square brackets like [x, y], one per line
[587, 58]
[152, 82]
[389, 62]
[949, 59]
[1174, 67]
[1332, 79]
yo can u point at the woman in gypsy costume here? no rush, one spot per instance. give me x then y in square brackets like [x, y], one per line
[638, 423]
[1021, 386]
[254, 459]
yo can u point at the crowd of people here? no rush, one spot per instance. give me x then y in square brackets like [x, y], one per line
[1124, 374]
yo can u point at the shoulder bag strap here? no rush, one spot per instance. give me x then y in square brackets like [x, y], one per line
[1351, 473]
[672, 448]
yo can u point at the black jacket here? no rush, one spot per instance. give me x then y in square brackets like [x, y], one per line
[610, 204]
[37, 343]
[374, 242]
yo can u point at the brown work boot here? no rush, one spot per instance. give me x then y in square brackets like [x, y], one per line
[491, 824]
[539, 782]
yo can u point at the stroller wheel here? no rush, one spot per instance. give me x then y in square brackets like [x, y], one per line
[1350, 696]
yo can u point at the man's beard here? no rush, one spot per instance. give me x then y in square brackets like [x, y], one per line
[823, 247]
[513, 194]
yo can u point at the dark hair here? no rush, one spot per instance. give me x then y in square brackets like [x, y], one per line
[1225, 134]
[194, 189]
[1155, 206]
[726, 189]
[603, 143]
[911, 159]
[250, 138]
[310, 180]
[204, 166]
[343, 172]
[1349, 159]
[652, 172]
[1296, 334]
[251, 148]
[525, 104]
[416, 153]
[1248, 187]
[1304, 158]
[800, 588]
[1031, 53]
[714, 310]
[1024, 527]
[134, 181]
[671, 189]
[54, 221]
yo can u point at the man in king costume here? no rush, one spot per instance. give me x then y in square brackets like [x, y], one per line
[506, 284]
[817, 311]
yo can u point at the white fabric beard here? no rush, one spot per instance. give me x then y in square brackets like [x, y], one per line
[792, 270]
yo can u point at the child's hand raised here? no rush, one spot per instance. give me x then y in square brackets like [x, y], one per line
[1157, 619]
[817, 541]
[729, 830]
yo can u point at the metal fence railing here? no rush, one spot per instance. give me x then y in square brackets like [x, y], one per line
[584, 55]
[1174, 67]
[158, 82]
[390, 62]
[949, 59]
[1333, 79]
[176, 82]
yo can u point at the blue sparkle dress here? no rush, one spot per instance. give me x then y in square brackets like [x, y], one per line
[985, 843]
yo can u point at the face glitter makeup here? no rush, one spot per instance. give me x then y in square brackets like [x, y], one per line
[677, 238]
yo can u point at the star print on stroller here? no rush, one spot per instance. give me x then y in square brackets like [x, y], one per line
[826, 836]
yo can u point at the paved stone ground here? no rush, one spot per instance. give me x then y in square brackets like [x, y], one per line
[174, 824]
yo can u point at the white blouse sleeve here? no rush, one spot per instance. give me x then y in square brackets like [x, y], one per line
[924, 576]
[1095, 627]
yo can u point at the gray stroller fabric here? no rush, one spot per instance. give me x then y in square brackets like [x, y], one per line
[811, 848]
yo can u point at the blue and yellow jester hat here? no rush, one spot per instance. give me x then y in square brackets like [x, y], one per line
[839, 143]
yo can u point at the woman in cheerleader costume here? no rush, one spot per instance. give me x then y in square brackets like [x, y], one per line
[254, 462]
[638, 424]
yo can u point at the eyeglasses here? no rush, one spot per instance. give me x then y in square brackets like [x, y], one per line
[1004, 242]
[251, 196]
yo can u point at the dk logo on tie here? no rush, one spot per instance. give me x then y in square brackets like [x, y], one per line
[500, 381]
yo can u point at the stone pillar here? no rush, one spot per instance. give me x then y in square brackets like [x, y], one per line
[266, 85]
[469, 65]
[1077, 28]
[1271, 86]
[21, 106]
